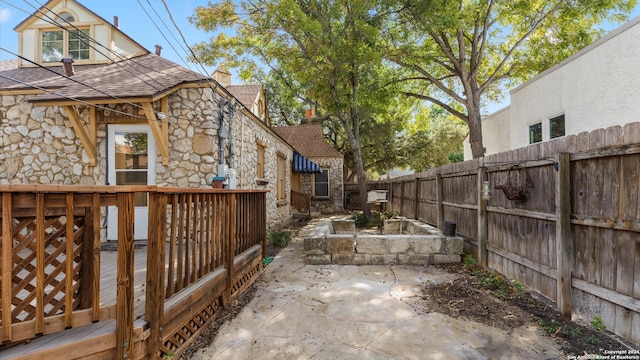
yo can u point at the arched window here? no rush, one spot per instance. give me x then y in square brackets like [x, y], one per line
[65, 17]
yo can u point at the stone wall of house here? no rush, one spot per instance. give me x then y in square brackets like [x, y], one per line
[39, 146]
[335, 203]
[247, 134]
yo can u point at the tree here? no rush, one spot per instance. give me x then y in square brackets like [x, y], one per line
[459, 54]
[432, 139]
[328, 51]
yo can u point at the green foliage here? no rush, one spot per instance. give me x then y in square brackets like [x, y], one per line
[469, 261]
[591, 339]
[361, 220]
[456, 157]
[432, 138]
[551, 327]
[279, 238]
[597, 323]
[459, 54]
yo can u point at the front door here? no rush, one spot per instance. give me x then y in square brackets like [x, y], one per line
[131, 158]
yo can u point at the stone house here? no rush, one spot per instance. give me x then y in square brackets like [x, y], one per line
[597, 87]
[114, 113]
[317, 167]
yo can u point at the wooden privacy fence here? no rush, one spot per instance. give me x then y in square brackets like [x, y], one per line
[204, 248]
[576, 237]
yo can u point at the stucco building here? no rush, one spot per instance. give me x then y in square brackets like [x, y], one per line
[597, 87]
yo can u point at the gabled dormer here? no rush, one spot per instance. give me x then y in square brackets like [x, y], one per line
[66, 29]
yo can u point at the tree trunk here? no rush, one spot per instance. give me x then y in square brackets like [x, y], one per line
[362, 178]
[475, 129]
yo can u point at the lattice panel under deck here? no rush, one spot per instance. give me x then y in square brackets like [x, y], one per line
[178, 342]
[246, 279]
[24, 272]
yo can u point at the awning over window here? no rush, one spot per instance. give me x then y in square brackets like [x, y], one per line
[303, 165]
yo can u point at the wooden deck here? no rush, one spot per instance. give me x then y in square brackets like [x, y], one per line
[62, 297]
[108, 285]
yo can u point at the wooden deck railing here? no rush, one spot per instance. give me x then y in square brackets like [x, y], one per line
[301, 201]
[204, 247]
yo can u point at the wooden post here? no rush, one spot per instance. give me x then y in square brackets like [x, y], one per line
[95, 279]
[7, 265]
[124, 290]
[417, 204]
[390, 195]
[40, 263]
[402, 198]
[439, 199]
[86, 269]
[482, 223]
[229, 210]
[564, 244]
[154, 303]
[262, 224]
[69, 256]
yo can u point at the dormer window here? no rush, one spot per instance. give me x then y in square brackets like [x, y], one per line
[58, 44]
[65, 17]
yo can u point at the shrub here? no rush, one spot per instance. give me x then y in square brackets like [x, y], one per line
[360, 220]
[279, 238]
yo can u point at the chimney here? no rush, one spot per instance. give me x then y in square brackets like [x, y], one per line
[67, 63]
[222, 76]
[158, 49]
[116, 22]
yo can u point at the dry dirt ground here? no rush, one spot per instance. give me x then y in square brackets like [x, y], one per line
[477, 295]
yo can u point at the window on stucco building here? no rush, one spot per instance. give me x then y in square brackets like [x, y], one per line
[260, 161]
[321, 184]
[535, 133]
[280, 191]
[556, 127]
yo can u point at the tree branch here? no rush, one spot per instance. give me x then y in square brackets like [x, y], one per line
[450, 109]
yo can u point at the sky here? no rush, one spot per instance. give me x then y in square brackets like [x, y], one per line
[132, 19]
[135, 23]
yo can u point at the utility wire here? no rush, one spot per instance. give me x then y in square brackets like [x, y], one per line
[69, 97]
[76, 81]
[88, 42]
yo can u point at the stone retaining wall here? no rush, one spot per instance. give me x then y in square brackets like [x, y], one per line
[338, 243]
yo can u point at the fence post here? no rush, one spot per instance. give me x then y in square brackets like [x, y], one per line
[154, 303]
[402, 198]
[482, 222]
[439, 198]
[417, 204]
[564, 244]
[124, 291]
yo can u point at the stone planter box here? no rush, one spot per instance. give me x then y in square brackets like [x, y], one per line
[337, 242]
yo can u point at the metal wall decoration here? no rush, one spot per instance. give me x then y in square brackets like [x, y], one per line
[516, 186]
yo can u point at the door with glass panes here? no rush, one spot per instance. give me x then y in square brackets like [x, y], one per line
[131, 160]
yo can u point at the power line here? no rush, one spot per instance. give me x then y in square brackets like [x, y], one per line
[69, 97]
[74, 80]
[84, 38]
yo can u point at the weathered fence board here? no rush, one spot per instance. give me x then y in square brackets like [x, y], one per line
[576, 238]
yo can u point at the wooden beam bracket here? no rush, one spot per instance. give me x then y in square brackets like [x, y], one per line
[161, 133]
[89, 142]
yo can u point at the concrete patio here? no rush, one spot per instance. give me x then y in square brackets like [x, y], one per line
[359, 312]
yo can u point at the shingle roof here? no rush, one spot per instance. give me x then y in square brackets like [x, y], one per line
[246, 94]
[143, 76]
[307, 140]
